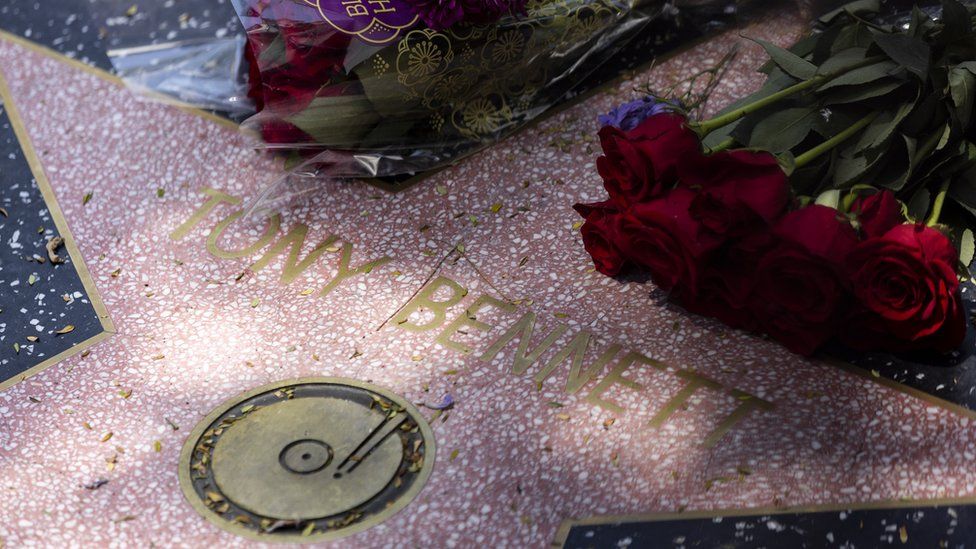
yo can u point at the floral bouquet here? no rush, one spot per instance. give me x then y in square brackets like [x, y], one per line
[378, 88]
[834, 204]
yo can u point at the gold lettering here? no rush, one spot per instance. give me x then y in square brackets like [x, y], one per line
[468, 319]
[213, 246]
[749, 403]
[216, 198]
[384, 6]
[425, 300]
[695, 382]
[616, 376]
[356, 10]
[345, 272]
[523, 358]
[294, 240]
[577, 347]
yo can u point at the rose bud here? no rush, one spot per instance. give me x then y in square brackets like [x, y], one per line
[878, 213]
[601, 236]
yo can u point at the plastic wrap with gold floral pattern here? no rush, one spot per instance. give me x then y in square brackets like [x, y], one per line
[383, 96]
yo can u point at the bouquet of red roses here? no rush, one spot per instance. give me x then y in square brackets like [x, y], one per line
[375, 88]
[836, 203]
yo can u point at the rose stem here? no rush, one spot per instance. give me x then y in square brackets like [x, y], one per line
[727, 144]
[937, 207]
[929, 145]
[706, 127]
[829, 144]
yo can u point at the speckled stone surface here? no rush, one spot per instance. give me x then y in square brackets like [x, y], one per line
[516, 457]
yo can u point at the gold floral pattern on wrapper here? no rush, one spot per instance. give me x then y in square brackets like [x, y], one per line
[481, 80]
[422, 55]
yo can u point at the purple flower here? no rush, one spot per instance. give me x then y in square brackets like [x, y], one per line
[489, 11]
[446, 403]
[439, 14]
[629, 115]
[442, 14]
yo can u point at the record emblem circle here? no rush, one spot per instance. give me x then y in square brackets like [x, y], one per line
[306, 460]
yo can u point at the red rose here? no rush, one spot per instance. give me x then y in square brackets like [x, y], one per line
[601, 235]
[727, 282]
[274, 124]
[641, 164]
[279, 132]
[661, 236]
[737, 190]
[312, 55]
[799, 288]
[878, 213]
[292, 53]
[906, 285]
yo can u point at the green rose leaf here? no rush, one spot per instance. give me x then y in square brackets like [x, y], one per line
[963, 190]
[967, 247]
[792, 64]
[388, 96]
[912, 53]
[843, 60]
[856, 8]
[783, 130]
[340, 121]
[863, 75]
[962, 89]
[273, 54]
[881, 130]
[853, 94]
[918, 206]
[896, 172]
[848, 170]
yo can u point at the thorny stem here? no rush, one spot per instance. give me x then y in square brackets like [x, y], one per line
[708, 126]
[724, 145]
[937, 207]
[829, 144]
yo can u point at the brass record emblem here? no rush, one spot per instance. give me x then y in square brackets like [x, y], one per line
[306, 460]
